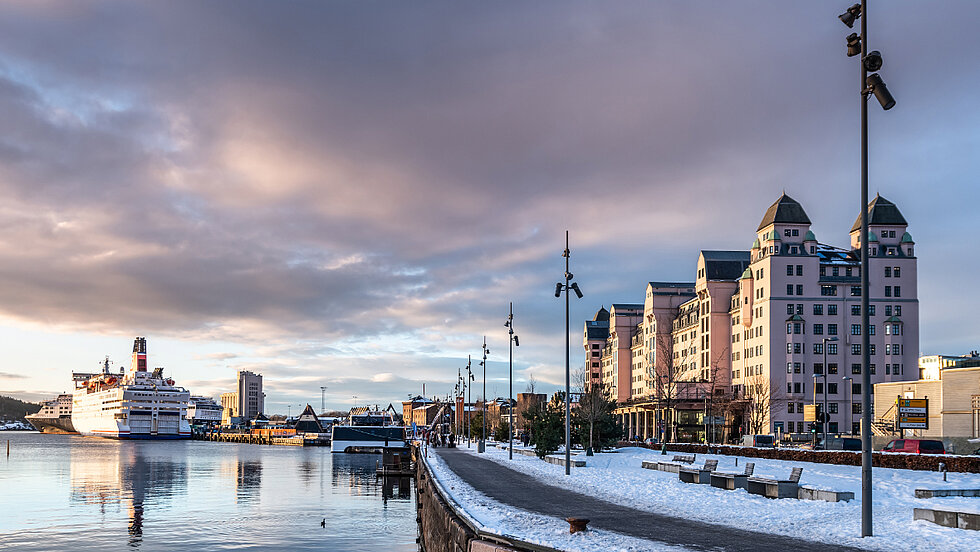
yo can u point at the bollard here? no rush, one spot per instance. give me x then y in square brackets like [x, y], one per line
[736, 461]
[8, 448]
[942, 467]
[576, 525]
[663, 449]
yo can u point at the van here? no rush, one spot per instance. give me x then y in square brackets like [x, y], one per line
[916, 446]
[767, 441]
[843, 443]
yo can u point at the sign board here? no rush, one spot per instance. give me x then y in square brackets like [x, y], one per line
[913, 414]
[809, 413]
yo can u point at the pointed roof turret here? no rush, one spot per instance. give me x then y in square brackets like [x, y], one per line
[602, 315]
[784, 210]
[747, 275]
[881, 211]
[810, 236]
[907, 238]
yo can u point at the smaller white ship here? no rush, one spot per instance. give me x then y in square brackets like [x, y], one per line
[54, 416]
[367, 431]
[137, 404]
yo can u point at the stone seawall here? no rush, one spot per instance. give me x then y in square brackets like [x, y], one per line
[442, 529]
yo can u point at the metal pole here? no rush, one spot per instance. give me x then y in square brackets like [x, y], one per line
[510, 403]
[866, 494]
[469, 413]
[483, 436]
[568, 408]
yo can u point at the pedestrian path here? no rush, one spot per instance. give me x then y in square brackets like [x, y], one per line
[527, 493]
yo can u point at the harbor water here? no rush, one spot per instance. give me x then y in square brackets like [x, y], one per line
[65, 492]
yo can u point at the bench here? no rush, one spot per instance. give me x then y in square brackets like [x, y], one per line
[936, 493]
[698, 475]
[684, 458]
[809, 493]
[776, 488]
[731, 481]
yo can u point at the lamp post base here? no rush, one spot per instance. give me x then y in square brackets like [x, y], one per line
[482, 446]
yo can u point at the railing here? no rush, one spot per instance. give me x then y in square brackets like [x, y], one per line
[885, 425]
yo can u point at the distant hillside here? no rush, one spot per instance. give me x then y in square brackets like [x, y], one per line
[13, 409]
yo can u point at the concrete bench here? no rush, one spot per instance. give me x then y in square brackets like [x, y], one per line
[809, 493]
[560, 460]
[731, 481]
[776, 488]
[684, 458]
[698, 475]
[962, 520]
[936, 493]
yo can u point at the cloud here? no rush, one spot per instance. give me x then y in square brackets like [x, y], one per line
[8, 375]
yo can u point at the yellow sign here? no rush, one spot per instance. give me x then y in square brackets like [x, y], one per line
[913, 414]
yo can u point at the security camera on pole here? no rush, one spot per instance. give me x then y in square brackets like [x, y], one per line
[566, 287]
[870, 84]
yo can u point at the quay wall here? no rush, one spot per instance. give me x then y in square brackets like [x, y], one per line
[443, 529]
[922, 462]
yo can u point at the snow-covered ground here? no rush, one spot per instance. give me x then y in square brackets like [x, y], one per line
[618, 477]
[493, 517]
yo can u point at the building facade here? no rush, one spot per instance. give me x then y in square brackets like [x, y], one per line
[251, 399]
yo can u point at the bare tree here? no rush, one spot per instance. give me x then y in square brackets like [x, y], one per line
[764, 399]
[531, 383]
[593, 404]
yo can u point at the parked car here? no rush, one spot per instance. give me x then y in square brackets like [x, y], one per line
[843, 443]
[650, 441]
[917, 446]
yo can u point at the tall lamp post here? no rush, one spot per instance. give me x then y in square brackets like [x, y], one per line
[559, 288]
[482, 446]
[469, 386]
[510, 404]
[870, 84]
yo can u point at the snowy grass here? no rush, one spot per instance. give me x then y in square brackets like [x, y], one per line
[493, 517]
[618, 477]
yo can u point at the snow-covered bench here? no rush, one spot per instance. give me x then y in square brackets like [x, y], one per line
[683, 458]
[674, 466]
[776, 488]
[732, 481]
[698, 475]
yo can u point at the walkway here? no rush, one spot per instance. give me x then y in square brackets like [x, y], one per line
[527, 493]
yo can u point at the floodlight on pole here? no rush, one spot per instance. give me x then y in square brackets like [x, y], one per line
[566, 287]
[510, 404]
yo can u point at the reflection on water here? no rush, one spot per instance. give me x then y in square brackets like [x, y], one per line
[95, 494]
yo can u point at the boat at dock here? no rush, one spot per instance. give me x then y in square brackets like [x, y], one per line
[135, 404]
[54, 416]
[368, 431]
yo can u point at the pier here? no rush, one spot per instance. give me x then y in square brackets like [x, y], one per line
[305, 440]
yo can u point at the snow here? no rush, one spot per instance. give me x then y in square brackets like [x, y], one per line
[493, 517]
[618, 477]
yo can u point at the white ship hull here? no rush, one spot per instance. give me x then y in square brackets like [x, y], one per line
[132, 412]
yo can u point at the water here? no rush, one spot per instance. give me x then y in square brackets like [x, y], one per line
[65, 492]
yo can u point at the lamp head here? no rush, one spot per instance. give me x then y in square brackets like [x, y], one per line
[853, 45]
[517, 342]
[577, 291]
[558, 289]
[850, 15]
[880, 91]
[872, 62]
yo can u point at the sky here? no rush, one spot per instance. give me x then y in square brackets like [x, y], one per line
[350, 194]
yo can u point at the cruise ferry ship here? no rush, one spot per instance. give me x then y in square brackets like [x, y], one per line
[54, 416]
[136, 404]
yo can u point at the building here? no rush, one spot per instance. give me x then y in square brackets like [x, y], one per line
[743, 346]
[930, 366]
[524, 402]
[203, 411]
[229, 408]
[800, 302]
[954, 404]
[410, 405]
[251, 399]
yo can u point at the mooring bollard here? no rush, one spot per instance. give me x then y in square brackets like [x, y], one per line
[577, 524]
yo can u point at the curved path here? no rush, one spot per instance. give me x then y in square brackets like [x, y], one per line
[527, 493]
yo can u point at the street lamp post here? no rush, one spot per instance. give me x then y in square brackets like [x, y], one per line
[513, 341]
[870, 84]
[559, 288]
[469, 387]
[482, 446]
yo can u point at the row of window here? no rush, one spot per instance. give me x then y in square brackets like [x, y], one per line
[799, 328]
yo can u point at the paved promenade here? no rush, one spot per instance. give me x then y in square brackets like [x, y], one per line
[523, 491]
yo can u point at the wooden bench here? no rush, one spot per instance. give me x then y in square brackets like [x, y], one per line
[776, 488]
[732, 481]
[698, 475]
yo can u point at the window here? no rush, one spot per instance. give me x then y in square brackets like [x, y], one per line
[790, 408]
[799, 270]
[789, 289]
[828, 291]
[797, 348]
[835, 271]
[855, 291]
[831, 348]
[888, 272]
[796, 232]
[855, 368]
[817, 329]
[888, 291]
[789, 387]
[872, 368]
[799, 308]
[799, 289]
[789, 308]
[898, 291]
[832, 408]
[798, 387]
[871, 330]
[787, 233]
[888, 350]
[856, 349]
[818, 387]
[832, 309]
[823, 270]
[888, 310]
[871, 350]
[898, 310]
[818, 310]
[789, 348]
[789, 328]
[797, 328]
[789, 268]
[831, 388]
[797, 368]
[831, 367]
[818, 348]
[855, 310]
[855, 329]
[898, 271]
[831, 329]
[871, 310]
[856, 407]
[817, 367]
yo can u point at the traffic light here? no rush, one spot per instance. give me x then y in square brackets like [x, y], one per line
[813, 427]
